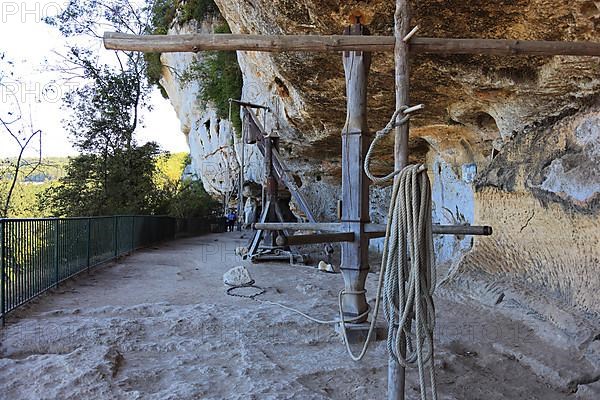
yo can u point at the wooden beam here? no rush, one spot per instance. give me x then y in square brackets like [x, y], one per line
[296, 240]
[281, 169]
[339, 43]
[308, 226]
[354, 263]
[378, 230]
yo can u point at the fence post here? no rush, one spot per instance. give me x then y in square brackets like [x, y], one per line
[57, 276]
[89, 242]
[3, 271]
[115, 234]
[132, 233]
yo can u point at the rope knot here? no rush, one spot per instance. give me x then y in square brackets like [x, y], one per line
[406, 110]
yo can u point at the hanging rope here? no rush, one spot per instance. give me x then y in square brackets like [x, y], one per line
[409, 280]
[407, 277]
[407, 266]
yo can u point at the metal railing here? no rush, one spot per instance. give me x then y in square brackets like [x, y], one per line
[38, 254]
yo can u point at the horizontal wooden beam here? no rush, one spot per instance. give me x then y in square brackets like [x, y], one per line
[297, 240]
[373, 230]
[299, 226]
[338, 43]
[378, 230]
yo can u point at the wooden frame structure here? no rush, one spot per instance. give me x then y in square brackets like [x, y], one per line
[355, 230]
[276, 173]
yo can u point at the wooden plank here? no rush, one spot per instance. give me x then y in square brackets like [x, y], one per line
[309, 226]
[339, 43]
[355, 184]
[296, 240]
[374, 230]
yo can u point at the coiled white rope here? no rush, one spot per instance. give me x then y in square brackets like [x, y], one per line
[407, 270]
[409, 280]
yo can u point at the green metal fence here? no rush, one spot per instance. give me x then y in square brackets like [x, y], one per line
[38, 254]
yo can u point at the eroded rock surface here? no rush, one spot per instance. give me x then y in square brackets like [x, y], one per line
[509, 141]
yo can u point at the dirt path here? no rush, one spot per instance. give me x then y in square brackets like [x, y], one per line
[158, 325]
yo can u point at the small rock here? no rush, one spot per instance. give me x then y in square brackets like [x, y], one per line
[323, 266]
[237, 276]
[241, 251]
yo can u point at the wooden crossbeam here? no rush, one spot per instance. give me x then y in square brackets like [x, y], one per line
[374, 230]
[339, 43]
[315, 238]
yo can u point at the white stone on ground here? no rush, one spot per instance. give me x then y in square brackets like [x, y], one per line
[237, 276]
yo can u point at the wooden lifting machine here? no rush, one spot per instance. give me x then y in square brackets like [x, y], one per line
[271, 244]
[355, 230]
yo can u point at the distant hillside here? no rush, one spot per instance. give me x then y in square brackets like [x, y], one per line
[50, 169]
[34, 180]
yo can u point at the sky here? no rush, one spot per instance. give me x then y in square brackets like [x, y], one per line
[33, 46]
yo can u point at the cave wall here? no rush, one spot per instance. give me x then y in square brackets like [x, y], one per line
[542, 195]
[509, 141]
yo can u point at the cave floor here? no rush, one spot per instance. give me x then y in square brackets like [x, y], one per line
[158, 325]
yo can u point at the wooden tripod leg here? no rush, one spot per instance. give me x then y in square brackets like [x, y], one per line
[258, 234]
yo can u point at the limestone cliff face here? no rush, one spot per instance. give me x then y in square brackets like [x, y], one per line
[509, 141]
[214, 144]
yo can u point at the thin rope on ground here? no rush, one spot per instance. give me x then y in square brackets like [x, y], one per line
[254, 296]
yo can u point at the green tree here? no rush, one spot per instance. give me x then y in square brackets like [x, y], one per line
[184, 198]
[113, 174]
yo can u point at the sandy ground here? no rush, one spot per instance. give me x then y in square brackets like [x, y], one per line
[158, 325]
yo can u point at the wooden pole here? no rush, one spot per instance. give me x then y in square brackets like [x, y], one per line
[355, 184]
[374, 230]
[298, 240]
[396, 373]
[240, 207]
[339, 43]
[308, 226]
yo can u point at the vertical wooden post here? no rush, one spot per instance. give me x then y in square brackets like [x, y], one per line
[396, 373]
[240, 208]
[355, 184]
[272, 190]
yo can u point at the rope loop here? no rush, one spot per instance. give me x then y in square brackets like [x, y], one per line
[379, 135]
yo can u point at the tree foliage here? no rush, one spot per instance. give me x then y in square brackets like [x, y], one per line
[220, 79]
[219, 73]
[113, 173]
[120, 184]
[181, 197]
